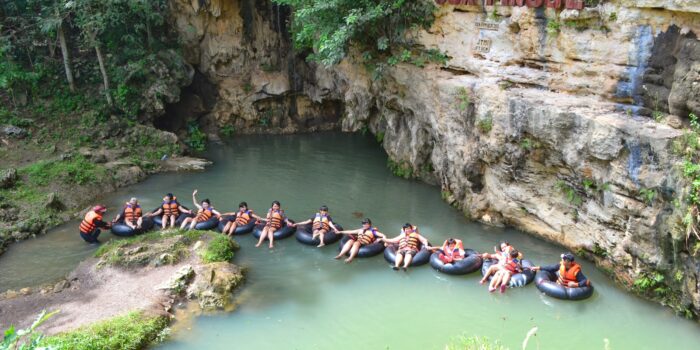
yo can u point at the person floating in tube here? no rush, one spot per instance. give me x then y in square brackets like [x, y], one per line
[131, 214]
[91, 224]
[204, 212]
[275, 217]
[452, 250]
[511, 265]
[170, 209]
[410, 241]
[242, 217]
[358, 238]
[569, 272]
[502, 255]
[321, 224]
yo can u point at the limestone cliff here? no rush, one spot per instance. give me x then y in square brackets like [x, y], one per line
[542, 119]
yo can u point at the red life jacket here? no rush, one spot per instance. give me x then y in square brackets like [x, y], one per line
[566, 276]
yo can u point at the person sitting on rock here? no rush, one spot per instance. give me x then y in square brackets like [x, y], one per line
[410, 241]
[511, 266]
[568, 272]
[358, 238]
[452, 250]
[170, 209]
[204, 212]
[90, 226]
[131, 214]
[242, 217]
[321, 223]
[274, 218]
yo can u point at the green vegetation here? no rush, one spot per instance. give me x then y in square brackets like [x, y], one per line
[196, 138]
[553, 27]
[592, 187]
[474, 343]
[570, 192]
[400, 169]
[379, 136]
[227, 130]
[135, 330]
[75, 170]
[376, 26]
[688, 147]
[463, 98]
[648, 194]
[612, 17]
[25, 339]
[219, 249]
[485, 124]
[651, 282]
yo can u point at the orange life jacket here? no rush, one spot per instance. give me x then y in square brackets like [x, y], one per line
[171, 208]
[457, 251]
[566, 276]
[410, 240]
[243, 218]
[511, 265]
[132, 214]
[88, 223]
[321, 222]
[275, 219]
[367, 236]
[204, 214]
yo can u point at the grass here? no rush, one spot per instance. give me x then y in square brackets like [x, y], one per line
[553, 27]
[400, 169]
[463, 98]
[219, 249]
[571, 195]
[135, 330]
[485, 124]
[76, 170]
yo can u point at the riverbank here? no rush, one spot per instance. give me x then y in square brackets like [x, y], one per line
[143, 277]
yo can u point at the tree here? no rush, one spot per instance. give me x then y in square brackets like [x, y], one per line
[92, 21]
[52, 21]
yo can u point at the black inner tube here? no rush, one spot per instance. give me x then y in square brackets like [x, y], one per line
[365, 251]
[471, 262]
[304, 235]
[421, 258]
[546, 283]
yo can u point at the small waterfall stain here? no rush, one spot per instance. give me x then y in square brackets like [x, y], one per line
[634, 161]
[639, 61]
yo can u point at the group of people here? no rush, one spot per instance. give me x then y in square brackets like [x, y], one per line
[409, 241]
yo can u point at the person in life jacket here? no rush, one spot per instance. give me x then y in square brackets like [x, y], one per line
[170, 209]
[452, 250]
[274, 219]
[502, 254]
[91, 224]
[204, 212]
[409, 241]
[362, 236]
[241, 218]
[510, 266]
[131, 214]
[568, 272]
[321, 223]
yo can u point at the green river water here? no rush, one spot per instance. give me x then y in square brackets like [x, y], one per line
[299, 297]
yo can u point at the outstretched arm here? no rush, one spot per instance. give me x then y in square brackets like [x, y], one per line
[303, 222]
[390, 240]
[350, 232]
[194, 200]
[215, 212]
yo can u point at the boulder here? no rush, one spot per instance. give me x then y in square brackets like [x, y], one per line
[60, 286]
[53, 202]
[214, 284]
[13, 131]
[179, 280]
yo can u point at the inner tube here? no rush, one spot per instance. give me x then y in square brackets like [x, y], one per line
[517, 280]
[240, 230]
[546, 282]
[283, 232]
[304, 235]
[421, 258]
[207, 225]
[365, 251]
[121, 229]
[471, 262]
[158, 220]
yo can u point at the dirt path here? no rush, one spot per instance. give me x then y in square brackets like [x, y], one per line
[93, 295]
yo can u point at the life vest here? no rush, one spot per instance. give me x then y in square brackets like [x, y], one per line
[321, 222]
[456, 252]
[409, 241]
[511, 265]
[506, 252]
[204, 214]
[171, 208]
[243, 218]
[566, 276]
[366, 238]
[275, 219]
[131, 213]
[88, 223]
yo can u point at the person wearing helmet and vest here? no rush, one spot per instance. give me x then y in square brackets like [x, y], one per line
[362, 236]
[204, 212]
[274, 220]
[91, 224]
[568, 272]
[410, 242]
[131, 214]
[170, 209]
[242, 217]
[321, 224]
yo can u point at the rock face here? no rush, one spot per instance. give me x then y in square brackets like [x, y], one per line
[545, 127]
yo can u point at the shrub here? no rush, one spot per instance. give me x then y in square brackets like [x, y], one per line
[219, 249]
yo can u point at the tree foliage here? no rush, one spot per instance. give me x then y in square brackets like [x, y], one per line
[328, 27]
